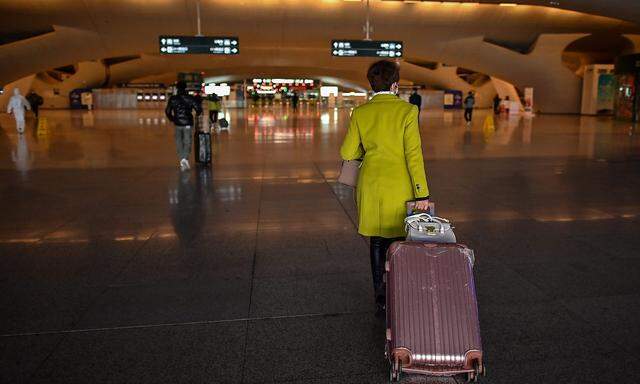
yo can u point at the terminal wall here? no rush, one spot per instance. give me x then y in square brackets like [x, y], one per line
[56, 94]
[447, 78]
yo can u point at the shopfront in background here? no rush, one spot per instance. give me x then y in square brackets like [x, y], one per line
[627, 100]
[598, 89]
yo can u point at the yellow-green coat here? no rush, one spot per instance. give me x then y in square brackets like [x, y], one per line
[385, 131]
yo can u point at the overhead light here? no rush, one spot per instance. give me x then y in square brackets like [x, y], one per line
[466, 4]
[508, 4]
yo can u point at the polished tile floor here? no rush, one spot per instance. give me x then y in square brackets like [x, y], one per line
[115, 267]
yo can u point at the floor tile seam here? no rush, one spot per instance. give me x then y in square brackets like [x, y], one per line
[42, 363]
[548, 298]
[64, 336]
[249, 320]
[134, 254]
[574, 314]
[600, 248]
[557, 299]
[321, 377]
[566, 262]
[520, 360]
[107, 288]
[46, 233]
[346, 212]
[307, 275]
[100, 202]
[592, 327]
[253, 274]
[192, 282]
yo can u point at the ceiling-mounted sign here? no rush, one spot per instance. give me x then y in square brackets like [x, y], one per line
[203, 45]
[141, 85]
[367, 48]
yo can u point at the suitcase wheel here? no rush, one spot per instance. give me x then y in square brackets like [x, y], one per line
[395, 370]
[478, 370]
[471, 376]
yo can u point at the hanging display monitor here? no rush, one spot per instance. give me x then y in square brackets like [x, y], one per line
[191, 45]
[367, 48]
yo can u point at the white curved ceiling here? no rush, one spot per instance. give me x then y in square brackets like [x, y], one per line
[622, 9]
[278, 33]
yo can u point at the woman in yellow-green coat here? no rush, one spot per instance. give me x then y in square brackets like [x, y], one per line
[384, 133]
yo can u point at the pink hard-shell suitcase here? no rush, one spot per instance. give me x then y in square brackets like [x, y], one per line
[432, 311]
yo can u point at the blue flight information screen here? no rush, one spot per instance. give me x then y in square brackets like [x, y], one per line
[367, 48]
[203, 45]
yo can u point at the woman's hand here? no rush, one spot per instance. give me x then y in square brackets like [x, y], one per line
[422, 205]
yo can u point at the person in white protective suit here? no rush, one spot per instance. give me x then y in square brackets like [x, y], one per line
[17, 104]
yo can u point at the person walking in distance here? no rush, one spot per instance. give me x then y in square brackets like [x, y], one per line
[506, 105]
[35, 101]
[214, 105]
[179, 110]
[16, 106]
[384, 133]
[294, 100]
[496, 104]
[469, 103]
[416, 99]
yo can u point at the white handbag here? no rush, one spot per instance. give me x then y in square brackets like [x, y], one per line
[430, 229]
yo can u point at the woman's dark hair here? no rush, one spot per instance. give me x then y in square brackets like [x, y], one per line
[382, 74]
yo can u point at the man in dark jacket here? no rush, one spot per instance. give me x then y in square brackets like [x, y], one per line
[469, 103]
[36, 101]
[179, 110]
[416, 99]
[496, 104]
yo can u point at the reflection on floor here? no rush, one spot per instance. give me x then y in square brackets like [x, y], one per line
[116, 267]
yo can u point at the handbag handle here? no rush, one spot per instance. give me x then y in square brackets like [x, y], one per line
[427, 217]
[413, 220]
